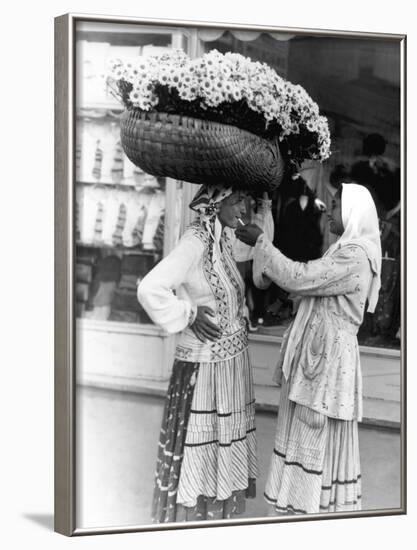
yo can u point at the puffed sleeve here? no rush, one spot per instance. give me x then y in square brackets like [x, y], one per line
[340, 273]
[156, 290]
[263, 218]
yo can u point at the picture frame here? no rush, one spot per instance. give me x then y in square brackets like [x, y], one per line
[67, 331]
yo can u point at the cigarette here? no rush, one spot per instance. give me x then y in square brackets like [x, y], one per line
[240, 221]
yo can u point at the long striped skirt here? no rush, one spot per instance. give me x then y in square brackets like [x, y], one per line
[315, 463]
[206, 464]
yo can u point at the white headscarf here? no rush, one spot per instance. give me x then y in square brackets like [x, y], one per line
[361, 227]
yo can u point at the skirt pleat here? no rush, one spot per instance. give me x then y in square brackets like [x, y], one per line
[315, 464]
[341, 488]
[207, 461]
[171, 440]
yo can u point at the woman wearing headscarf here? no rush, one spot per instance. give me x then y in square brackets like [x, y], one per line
[206, 464]
[315, 464]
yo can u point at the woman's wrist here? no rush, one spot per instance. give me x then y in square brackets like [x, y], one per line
[192, 316]
[260, 239]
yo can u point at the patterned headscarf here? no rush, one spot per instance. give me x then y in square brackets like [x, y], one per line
[205, 202]
[208, 197]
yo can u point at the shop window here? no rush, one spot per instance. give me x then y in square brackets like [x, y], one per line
[120, 237]
[121, 213]
[125, 221]
[357, 87]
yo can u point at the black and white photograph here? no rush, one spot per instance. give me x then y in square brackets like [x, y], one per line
[237, 236]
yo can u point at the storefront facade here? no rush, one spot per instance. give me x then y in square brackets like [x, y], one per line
[117, 345]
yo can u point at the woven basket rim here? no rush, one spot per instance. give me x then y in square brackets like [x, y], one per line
[152, 116]
[199, 150]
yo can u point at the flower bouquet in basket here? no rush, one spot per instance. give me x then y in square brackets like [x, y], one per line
[221, 117]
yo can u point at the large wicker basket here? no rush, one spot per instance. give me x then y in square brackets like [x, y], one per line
[200, 151]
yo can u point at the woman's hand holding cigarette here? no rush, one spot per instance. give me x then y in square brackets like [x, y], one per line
[249, 233]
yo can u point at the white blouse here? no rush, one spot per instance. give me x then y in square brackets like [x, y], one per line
[201, 271]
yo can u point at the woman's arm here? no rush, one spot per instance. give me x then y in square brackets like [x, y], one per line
[329, 276]
[263, 218]
[156, 290]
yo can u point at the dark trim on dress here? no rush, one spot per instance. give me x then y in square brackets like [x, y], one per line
[350, 502]
[288, 508]
[214, 411]
[288, 463]
[217, 441]
[338, 482]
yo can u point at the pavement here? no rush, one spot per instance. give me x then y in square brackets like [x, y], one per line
[116, 441]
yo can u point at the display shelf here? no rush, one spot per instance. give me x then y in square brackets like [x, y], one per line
[122, 327]
[125, 250]
[121, 186]
[105, 110]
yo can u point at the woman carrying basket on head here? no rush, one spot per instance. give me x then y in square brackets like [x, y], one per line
[206, 464]
[315, 462]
